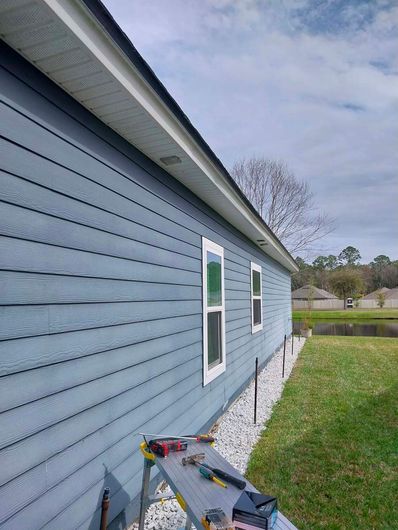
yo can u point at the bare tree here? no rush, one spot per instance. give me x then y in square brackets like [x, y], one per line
[284, 202]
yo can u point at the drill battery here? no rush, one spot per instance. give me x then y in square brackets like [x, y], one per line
[163, 447]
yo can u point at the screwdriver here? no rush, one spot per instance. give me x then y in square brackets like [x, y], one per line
[241, 484]
[211, 476]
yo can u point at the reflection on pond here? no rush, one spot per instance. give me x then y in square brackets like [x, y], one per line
[371, 328]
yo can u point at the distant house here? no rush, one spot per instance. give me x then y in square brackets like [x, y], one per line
[370, 301]
[138, 284]
[392, 294]
[308, 295]
[374, 295]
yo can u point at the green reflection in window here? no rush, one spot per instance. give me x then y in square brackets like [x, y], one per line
[213, 280]
[256, 283]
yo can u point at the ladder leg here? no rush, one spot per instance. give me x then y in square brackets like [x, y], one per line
[144, 492]
[188, 523]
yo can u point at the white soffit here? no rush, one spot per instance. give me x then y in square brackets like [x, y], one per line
[64, 40]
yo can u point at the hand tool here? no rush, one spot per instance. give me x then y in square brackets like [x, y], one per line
[201, 438]
[164, 447]
[211, 476]
[198, 460]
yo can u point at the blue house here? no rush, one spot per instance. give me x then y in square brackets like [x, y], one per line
[137, 282]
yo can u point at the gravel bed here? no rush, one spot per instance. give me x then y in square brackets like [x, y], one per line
[237, 424]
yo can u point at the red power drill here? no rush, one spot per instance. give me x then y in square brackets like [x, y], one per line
[164, 447]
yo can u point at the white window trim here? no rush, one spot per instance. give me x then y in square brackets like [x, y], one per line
[210, 374]
[255, 267]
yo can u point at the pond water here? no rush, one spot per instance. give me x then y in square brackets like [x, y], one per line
[368, 328]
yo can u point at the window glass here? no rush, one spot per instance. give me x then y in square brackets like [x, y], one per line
[256, 312]
[256, 283]
[213, 280]
[214, 338]
[214, 357]
[256, 298]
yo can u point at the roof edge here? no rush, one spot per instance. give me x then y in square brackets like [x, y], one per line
[92, 25]
[109, 24]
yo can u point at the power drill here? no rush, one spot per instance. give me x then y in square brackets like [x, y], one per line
[163, 447]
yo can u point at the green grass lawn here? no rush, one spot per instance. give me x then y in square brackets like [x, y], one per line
[349, 314]
[330, 450]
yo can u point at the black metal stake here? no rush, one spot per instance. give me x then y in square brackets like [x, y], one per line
[292, 341]
[284, 353]
[255, 391]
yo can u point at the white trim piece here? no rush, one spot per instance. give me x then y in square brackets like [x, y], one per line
[257, 268]
[210, 374]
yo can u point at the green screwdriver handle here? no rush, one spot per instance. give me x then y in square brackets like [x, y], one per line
[211, 476]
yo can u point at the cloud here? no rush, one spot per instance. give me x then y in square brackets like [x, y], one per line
[311, 82]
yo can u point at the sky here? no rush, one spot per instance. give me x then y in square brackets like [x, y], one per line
[313, 83]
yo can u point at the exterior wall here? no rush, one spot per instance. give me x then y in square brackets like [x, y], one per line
[318, 304]
[101, 316]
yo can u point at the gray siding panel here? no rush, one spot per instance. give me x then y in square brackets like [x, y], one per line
[33, 352]
[33, 320]
[101, 308]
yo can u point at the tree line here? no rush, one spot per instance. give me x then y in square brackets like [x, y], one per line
[344, 275]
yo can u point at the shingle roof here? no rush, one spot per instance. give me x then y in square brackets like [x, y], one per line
[373, 295]
[309, 291]
[392, 294]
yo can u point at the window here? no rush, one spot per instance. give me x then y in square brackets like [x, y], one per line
[213, 311]
[257, 298]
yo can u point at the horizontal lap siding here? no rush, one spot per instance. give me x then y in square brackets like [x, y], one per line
[101, 308]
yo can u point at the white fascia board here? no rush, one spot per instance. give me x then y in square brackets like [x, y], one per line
[80, 21]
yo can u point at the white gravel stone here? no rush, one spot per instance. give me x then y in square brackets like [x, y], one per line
[235, 431]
